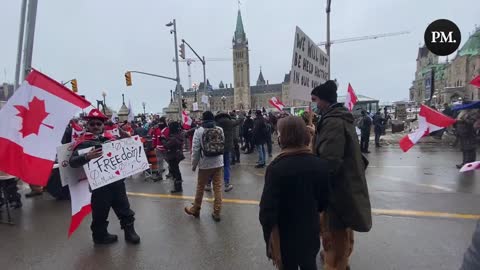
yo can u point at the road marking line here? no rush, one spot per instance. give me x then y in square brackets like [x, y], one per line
[375, 211]
[398, 179]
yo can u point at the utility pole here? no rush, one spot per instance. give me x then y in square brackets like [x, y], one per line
[30, 34]
[178, 86]
[21, 33]
[202, 59]
[327, 46]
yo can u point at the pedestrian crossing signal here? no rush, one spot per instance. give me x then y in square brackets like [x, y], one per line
[74, 85]
[128, 78]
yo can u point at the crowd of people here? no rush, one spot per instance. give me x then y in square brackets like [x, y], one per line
[315, 189]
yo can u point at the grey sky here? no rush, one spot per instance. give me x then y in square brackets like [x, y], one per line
[96, 41]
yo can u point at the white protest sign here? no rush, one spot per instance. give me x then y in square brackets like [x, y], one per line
[120, 159]
[68, 174]
[205, 99]
[309, 66]
[195, 106]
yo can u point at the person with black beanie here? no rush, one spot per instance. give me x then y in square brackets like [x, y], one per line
[349, 205]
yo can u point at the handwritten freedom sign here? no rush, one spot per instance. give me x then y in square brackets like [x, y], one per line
[309, 66]
[68, 174]
[120, 159]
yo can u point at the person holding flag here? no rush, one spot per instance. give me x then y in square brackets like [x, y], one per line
[113, 195]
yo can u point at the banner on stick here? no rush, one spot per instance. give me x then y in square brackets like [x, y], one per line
[309, 66]
[122, 158]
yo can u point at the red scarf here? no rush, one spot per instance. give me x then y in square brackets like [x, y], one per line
[88, 136]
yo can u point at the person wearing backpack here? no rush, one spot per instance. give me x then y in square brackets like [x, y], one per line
[207, 155]
[349, 206]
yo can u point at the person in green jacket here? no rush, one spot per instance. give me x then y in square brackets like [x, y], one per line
[348, 203]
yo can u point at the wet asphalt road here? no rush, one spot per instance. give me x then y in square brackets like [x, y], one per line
[409, 192]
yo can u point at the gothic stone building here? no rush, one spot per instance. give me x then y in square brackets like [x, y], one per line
[241, 95]
[451, 79]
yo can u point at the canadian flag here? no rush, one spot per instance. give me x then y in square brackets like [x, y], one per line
[80, 198]
[77, 130]
[33, 123]
[471, 166]
[476, 81]
[186, 120]
[429, 121]
[275, 102]
[351, 99]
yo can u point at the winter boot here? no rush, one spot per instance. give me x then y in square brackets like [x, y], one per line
[130, 235]
[177, 187]
[101, 236]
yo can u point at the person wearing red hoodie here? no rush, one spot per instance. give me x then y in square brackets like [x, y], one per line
[161, 131]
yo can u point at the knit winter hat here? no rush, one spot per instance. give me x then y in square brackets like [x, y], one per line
[208, 116]
[326, 91]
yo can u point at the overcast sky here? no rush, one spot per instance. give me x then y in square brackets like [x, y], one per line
[97, 41]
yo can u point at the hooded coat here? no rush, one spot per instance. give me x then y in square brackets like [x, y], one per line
[228, 125]
[336, 141]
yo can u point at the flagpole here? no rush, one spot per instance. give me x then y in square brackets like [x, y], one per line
[21, 33]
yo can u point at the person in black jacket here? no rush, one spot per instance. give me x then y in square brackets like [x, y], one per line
[113, 195]
[247, 134]
[365, 127]
[295, 192]
[260, 133]
[174, 145]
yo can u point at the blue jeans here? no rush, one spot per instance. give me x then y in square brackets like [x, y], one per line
[226, 169]
[261, 153]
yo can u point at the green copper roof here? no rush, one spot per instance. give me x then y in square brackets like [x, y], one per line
[239, 32]
[439, 70]
[472, 46]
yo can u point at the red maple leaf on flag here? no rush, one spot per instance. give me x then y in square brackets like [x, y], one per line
[32, 116]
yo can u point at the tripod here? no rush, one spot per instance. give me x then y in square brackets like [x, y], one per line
[3, 191]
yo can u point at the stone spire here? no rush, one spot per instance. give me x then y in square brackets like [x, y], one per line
[260, 80]
[240, 37]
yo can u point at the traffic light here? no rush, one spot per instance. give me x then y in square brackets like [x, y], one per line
[74, 85]
[184, 103]
[182, 50]
[128, 78]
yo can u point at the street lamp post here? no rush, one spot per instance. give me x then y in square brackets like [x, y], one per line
[327, 46]
[224, 99]
[178, 87]
[144, 104]
[104, 94]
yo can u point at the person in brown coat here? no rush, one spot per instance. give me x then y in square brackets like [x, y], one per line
[349, 204]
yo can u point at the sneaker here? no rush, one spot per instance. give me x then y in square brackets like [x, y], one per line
[228, 187]
[190, 212]
[216, 218]
[259, 166]
[208, 187]
[33, 194]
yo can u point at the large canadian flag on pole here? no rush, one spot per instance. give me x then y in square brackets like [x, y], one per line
[32, 124]
[429, 121]
[275, 102]
[351, 98]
